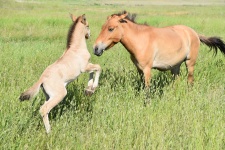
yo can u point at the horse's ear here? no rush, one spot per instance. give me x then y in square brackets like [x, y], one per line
[73, 17]
[123, 15]
[83, 19]
[109, 17]
[121, 18]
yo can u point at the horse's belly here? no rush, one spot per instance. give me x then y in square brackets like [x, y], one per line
[162, 66]
[167, 64]
[164, 61]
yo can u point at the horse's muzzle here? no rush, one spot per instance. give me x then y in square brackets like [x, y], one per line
[98, 51]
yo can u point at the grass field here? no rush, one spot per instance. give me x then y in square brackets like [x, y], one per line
[33, 35]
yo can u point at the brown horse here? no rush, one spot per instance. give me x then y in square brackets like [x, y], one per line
[67, 68]
[150, 47]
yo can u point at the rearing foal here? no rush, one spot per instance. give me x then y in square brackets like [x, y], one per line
[67, 68]
[150, 47]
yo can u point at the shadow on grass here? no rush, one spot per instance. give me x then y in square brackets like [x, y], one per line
[75, 102]
[159, 81]
[132, 78]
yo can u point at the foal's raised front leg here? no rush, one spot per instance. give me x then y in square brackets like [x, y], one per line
[92, 84]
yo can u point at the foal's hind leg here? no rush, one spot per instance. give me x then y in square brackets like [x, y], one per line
[56, 95]
[92, 84]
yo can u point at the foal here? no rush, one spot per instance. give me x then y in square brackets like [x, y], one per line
[67, 68]
[154, 48]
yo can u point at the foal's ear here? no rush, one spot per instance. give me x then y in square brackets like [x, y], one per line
[73, 17]
[83, 19]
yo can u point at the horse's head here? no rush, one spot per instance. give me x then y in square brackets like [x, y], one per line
[83, 22]
[111, 33]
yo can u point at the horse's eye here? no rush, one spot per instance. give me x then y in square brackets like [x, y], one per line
[111, 29]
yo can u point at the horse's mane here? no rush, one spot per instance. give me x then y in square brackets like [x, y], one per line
[130, 17]
[70, 32]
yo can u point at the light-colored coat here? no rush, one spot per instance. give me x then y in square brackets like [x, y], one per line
[67, 68]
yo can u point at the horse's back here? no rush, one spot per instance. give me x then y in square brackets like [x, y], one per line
[180, 36]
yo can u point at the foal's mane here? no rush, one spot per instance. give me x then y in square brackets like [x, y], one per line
[130, 17]
[70, 32]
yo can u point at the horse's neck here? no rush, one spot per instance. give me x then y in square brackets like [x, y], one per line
[131, 38]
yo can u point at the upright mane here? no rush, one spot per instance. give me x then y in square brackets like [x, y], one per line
[130, 17]
[70, 32]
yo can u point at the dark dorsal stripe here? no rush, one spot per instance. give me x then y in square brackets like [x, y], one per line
[70, 32]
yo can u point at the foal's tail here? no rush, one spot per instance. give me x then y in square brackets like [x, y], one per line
[31, 92]
[214, 43]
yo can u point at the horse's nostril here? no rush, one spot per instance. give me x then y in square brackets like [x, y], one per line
[96, 48]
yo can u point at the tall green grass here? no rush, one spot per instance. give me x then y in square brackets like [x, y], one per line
[33, 35]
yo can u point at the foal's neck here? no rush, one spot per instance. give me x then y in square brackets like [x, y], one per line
[78, 41]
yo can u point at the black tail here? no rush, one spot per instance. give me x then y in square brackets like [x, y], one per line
[214, 43]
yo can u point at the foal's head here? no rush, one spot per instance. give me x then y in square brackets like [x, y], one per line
[111, 33]
[83, 21]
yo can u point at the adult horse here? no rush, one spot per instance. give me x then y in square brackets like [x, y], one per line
[67, 68]
[150, 47]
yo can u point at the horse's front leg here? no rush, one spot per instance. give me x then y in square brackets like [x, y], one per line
[92, 84]
[140, 72]
[147, 77]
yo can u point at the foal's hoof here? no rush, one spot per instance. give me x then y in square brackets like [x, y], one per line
[89, 92]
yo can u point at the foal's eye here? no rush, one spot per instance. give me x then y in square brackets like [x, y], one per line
[111, 29]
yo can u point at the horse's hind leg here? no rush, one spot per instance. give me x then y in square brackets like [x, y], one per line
[191, 59]
[175, 71]
[190, 67]
[192, 56]
[55, 95]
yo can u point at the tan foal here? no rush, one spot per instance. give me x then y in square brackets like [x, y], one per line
[67, 68]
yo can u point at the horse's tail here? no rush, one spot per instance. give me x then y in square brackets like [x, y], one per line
[214, 43]
[31, 92]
